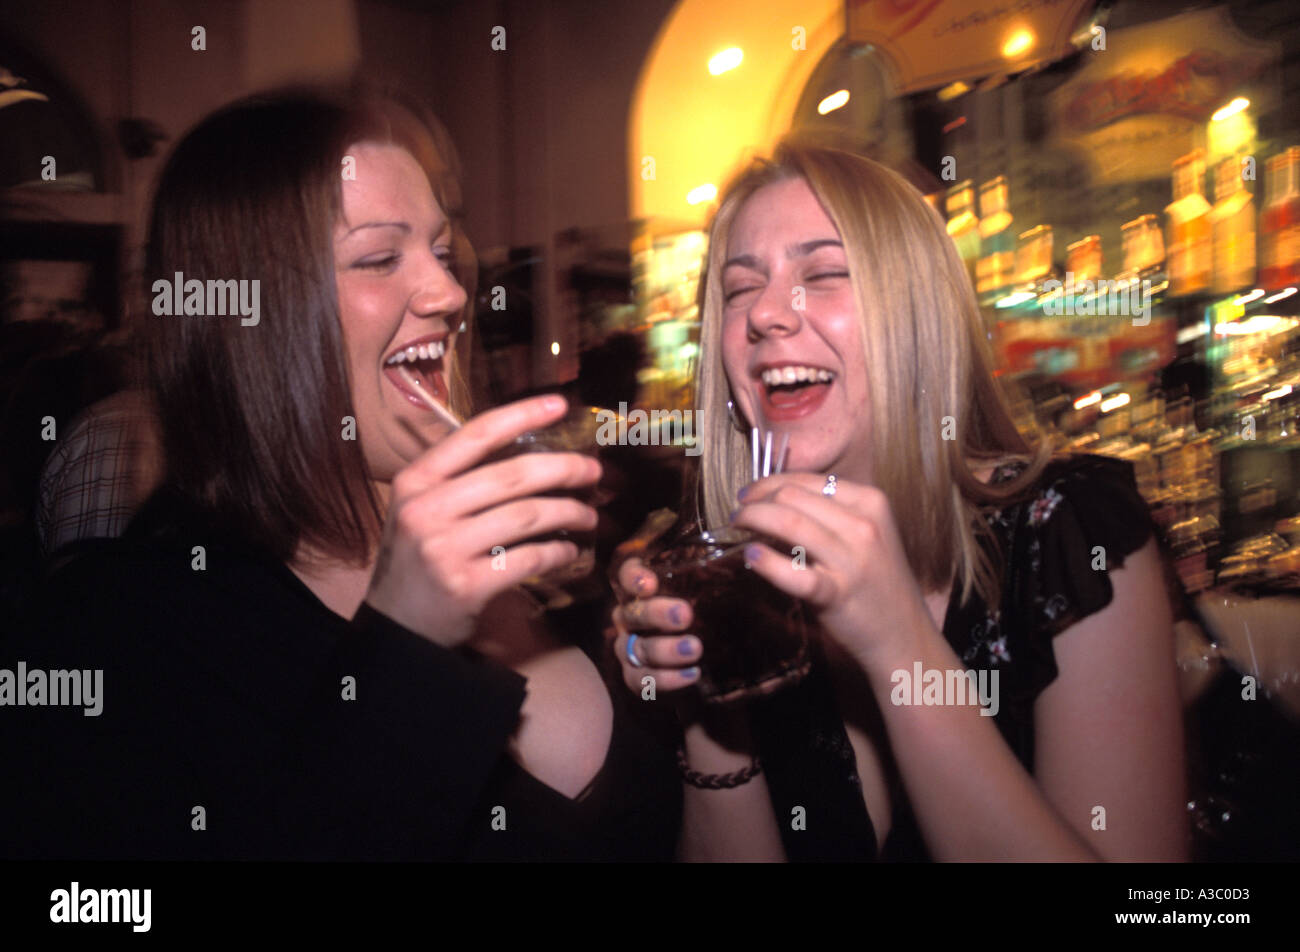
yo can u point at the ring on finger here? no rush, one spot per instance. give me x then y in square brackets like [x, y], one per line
[630, 648]
[829, 489]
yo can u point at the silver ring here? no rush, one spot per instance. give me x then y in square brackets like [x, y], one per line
[830, 487]
[631, 651]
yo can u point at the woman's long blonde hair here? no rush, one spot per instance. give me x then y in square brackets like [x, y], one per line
[927, 360]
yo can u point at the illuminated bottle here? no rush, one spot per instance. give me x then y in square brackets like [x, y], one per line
[1233, 221]
[1034, 255]
[1190, 249]
[995, 270]
[963, 226]
[1280, 223]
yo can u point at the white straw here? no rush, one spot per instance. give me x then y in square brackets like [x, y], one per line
[753, 442]
[780, 454]
[447, 416]
[767, 456]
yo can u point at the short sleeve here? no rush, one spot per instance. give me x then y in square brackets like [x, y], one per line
[1084, 520]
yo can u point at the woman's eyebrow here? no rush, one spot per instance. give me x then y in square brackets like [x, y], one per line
[378, 224]
[803, 249]
[742, 261]
[808, 247]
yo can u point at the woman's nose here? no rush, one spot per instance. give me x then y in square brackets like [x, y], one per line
[439, 292]
[776, 310]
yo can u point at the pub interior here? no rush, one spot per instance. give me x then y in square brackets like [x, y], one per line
[1121, 180]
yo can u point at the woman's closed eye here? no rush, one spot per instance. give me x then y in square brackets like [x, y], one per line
[827, 275]
[382, 262]
[731, 295]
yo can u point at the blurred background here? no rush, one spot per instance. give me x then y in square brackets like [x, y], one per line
[1150, 145]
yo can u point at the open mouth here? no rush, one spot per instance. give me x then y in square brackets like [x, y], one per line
[417, 367]
[794, 390]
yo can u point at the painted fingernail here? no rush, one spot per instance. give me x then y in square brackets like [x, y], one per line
[686, 647]
[690, 674]
[744, 490]
[675, 614]
[643, 583]
[752, 553]
[734, 514]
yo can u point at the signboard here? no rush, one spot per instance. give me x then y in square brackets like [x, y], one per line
[1142, 102]
[929, 43]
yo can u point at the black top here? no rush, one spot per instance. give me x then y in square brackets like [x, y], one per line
[1047, 538]
[224, 688]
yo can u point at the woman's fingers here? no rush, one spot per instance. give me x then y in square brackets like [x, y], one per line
[490, 575]
[636, 579]
[499, 527]
[663, 614]
[799, 518]
[671, 661]
[813, 585]
[530, 474]
[478, 438]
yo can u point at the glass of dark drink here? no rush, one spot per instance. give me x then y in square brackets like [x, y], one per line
[754, 638]
[576, 432]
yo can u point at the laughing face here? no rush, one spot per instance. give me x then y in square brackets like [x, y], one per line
[399, 303]
[791, 343]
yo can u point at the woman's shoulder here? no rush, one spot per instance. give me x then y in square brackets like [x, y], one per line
[1077, 495]
[1060, 536]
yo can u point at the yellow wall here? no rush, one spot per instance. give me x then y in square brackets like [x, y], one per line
[698, 127]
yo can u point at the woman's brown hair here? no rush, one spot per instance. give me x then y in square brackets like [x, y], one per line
[252, 418]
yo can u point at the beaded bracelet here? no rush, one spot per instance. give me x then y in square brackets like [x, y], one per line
[717, 781]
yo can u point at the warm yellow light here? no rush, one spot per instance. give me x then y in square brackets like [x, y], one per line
[1087, 400]
[1016, 297]
[1018, 42]
[727, 59]
[1281, 295]
[1245, 299]
[833, 101]
[555, 348]
[1239, 104]
[952, 91]
[1281, 391]
[1259, 324]
[1115, 402]
[701, 193]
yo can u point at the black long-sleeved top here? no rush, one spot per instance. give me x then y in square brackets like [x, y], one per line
[224, 689]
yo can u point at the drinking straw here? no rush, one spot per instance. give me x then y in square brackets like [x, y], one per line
[753, 443]
[780, 454]
[448, 417]
[767, 456]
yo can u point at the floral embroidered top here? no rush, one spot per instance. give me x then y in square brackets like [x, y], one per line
[1058, 542]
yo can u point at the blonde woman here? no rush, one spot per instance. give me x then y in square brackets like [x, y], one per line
[937, 540]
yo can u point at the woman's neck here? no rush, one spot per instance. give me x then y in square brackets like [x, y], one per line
[341, 587]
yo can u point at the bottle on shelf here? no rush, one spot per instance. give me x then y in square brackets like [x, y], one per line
[963, 226]
[1034, 255]
[1190, 248]
[1083, 258]
[1233, 222]
[995, 270]
[1144, 252]
[1280, 221]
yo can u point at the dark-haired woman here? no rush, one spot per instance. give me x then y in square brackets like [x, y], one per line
[311, 638]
